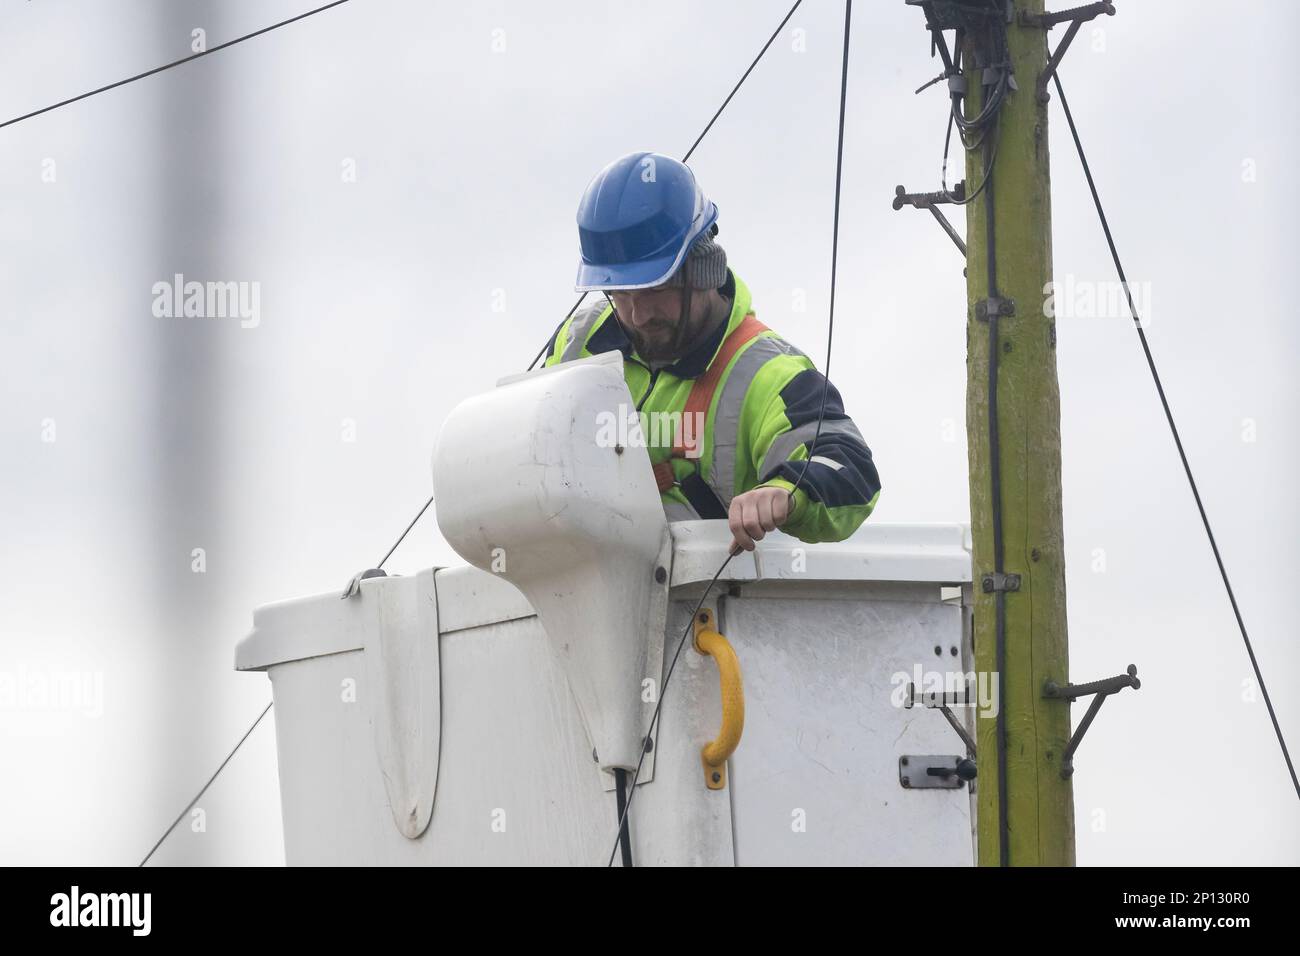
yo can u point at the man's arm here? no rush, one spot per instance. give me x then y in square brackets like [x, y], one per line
[840, 487]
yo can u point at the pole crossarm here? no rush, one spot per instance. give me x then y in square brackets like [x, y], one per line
[1071, 692]
[1076, 17]
[928, 201]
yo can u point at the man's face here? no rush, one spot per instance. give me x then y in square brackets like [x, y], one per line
[650, 318]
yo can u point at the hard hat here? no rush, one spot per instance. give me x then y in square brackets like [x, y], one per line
[637, 220]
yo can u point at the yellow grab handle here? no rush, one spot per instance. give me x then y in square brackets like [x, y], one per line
[714, 754]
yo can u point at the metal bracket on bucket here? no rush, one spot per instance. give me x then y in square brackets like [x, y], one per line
[354, 585]
[934, 771]
[940, 703]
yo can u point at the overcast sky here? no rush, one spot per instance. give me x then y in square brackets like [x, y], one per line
[399, 180]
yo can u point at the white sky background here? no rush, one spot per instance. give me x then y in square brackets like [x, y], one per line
[377, 305]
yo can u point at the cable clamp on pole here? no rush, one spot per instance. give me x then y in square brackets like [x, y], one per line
[994, 306]
[997, 581]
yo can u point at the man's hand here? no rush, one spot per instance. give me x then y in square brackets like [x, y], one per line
[755, 513]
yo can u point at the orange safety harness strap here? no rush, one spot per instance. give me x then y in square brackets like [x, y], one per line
[688, 438]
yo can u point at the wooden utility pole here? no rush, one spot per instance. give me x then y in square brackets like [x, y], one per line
[1039, 809]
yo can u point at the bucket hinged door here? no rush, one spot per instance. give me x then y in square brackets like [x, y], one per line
[404, 692]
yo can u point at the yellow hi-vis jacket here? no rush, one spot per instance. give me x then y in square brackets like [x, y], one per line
[741, 410]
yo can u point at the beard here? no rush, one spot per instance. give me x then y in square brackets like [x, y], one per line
[655, 341]
[665, 339]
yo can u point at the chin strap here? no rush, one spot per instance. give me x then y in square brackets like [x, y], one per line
[684, 322]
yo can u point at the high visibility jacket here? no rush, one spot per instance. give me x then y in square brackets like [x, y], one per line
[761, 417]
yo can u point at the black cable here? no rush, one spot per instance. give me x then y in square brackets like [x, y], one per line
[989, 166]
[988, 122]
[835, 249]
[995, 492]
[698, 139]
[168, 66]
[992, 95]
[775, 33]
[406, 532]
[1164, 403]
[654, 718]
[989, 109]
[556, 332]
[205, 786]
[624, 836]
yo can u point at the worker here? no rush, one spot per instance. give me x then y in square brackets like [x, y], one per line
[693, 350]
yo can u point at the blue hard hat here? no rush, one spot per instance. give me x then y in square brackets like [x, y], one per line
[637, 220]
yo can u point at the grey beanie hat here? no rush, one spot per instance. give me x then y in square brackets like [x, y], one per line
[706, 262]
